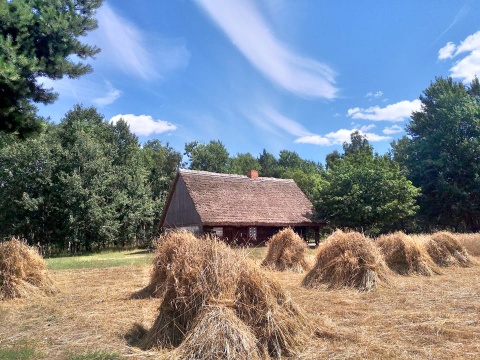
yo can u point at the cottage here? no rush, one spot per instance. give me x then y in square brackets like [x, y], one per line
[242, 209]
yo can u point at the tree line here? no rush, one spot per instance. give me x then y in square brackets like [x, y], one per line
[85, 183]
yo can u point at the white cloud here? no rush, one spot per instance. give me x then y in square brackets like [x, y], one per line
[393, 112]
[126, 47]
[112, 95]
[447, 51]
[290, 126]
[394, 129]
[255, 40]
[144, 125]
[469, 65]
[376, 94]
[340, 136]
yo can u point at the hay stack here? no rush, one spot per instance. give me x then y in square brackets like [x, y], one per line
[167, 248]
[219, 334]
[446, 250]
[286, 251]
[406, 255]
[210, 274]
[347, 259]
[23, 272]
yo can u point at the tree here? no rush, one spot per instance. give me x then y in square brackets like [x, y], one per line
[242, 163]
[364, 191]
[39, 39]
[441, 155]
[269, 165]
[212, 157]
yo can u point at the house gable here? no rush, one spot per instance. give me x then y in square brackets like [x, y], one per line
[180, 209]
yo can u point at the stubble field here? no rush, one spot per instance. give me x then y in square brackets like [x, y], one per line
[93, 317]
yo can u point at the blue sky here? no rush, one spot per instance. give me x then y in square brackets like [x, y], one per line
[272, 74]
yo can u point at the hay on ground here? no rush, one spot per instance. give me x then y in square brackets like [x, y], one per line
[347, 259]
[446, 250]
[218, 333]
[286, 251]
[406, 255]
[23, 272]
[210, 274]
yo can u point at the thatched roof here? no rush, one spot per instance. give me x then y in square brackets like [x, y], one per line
[237, 200]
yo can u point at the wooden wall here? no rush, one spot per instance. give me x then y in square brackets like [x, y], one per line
[181, 211]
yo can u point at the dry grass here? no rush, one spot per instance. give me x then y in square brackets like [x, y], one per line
[347, 259]
[414, 318]
[23, 272]
[406, 255]
[206, 272]
[218, 333]
[286, 251]
[471, 242]
[446, 250]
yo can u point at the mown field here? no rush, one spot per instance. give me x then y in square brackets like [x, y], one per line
[92, 316]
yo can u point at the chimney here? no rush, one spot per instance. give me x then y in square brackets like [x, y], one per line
[252, 174]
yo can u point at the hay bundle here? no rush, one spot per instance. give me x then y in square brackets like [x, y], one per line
[219, 334]
[406, 255]
[446, 250]
[286, 251]
[167, 248]
[23, 272]
[347, 259]
[211, 274]
[276, 321]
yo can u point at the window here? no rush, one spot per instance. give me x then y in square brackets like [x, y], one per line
[218, 231]
[252, 232]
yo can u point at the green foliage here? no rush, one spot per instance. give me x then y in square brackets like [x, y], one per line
[442, 155]
[84, 184]
[39, 39]
[242, 163]
[364, 191]
[212, 157]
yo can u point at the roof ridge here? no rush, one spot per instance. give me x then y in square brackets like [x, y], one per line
[232, 176]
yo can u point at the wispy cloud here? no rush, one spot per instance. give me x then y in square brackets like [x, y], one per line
[83, 90]
[271, 120]
[464, 10]
[340, 136]
[469, 65]
[135, 52]
[243, 23]
[394, 129]
[144, 125]
[393, 112]
[112, 95]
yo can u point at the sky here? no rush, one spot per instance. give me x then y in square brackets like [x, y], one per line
[296, 75]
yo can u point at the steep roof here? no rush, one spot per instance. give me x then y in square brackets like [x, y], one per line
[224, 199]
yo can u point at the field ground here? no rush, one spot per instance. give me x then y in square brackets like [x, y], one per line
[92, 314]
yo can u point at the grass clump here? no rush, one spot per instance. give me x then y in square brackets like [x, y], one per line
[202, 278]
[347, 259]
[23, 272]
[446, 250]
[286, 251]
[406, 255]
